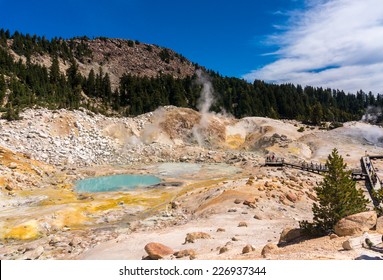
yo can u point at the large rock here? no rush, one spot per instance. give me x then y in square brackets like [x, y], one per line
[157, 250]
[360, 241]
[379, 225]
[290, 235]
[268, 249]
[356, 224]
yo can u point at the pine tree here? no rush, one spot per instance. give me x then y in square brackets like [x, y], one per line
[11, 114]
[3, 87]
[316, 114]
[337, 197]
[91, 84]
[54, 70]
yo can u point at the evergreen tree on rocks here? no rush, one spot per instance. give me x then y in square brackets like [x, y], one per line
[337, 197]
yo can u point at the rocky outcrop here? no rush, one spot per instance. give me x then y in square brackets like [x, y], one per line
[356, 224]
[157, 250]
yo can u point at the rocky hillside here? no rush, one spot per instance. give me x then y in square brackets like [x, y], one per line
[117, 57]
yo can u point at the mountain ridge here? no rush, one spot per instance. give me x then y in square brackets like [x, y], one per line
[128, 78]
[114, 56]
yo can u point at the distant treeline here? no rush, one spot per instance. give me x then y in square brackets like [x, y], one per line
[31, 85]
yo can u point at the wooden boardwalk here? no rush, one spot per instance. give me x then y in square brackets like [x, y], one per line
[317, 168]
[367, 172]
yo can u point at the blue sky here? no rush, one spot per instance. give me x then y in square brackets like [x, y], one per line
[334, 43]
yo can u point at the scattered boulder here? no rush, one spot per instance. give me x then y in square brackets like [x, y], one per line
[269, 248]
[185, 253]
[247, 249]
[250, 202]
[157, 250]
[360, 241]
[292, 197]
[223, 249]
[12, 165]
[33, 254]
[242, 224]
[191, 237]
[356, 224]
[175, 204]
[8, 188]
[379, 225]
[294, 178]
[249, 182]
[237, 201]
[75, 241]
[228, 246]
[290, 234]
[258, 216]
[221, 230]
[333, 236]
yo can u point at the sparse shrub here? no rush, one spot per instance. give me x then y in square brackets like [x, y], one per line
[165, 55]
[334, 125]
[11, 114]
[301, 129]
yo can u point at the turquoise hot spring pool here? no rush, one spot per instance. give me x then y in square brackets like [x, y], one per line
[124, 182]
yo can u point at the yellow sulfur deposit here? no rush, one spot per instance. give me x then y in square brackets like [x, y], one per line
[24, 231]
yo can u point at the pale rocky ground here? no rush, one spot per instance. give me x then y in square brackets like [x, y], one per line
[42, 155]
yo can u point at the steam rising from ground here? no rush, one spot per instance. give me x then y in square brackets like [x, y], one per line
[373, 133]
[372, 114]
[362, 132]
[205, 101]
[151, 132]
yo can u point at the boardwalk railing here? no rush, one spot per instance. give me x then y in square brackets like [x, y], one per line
[318, 168]
[311, 167]
[367, 173]
[373, 182]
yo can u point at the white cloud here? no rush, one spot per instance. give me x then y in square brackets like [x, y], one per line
[334, 43]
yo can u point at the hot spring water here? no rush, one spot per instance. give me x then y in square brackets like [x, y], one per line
[122, 182]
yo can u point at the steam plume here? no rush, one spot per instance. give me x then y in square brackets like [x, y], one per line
[372, 114]
[205, 101]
